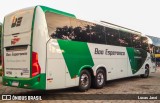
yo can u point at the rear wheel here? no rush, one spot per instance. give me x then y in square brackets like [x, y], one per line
[99, 79]
[84, 81]
[146, 74]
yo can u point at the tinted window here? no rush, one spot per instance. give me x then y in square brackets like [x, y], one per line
[145, 45]
[58, 26]
[62, 27]
[97, 34]
[136, 40]
[112, 36]
[80, 30]
[125, 39]
[66, 28]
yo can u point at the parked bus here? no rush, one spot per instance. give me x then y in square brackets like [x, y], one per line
[44, 48]
[156, 49]
[157, 55]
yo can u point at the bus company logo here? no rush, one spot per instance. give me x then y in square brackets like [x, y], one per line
[16, 21]
[15, 40]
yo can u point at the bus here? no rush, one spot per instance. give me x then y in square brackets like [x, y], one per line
[157, 55]
[156, 50]
[44, 48]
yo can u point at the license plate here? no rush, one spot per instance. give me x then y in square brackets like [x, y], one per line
[15, 84]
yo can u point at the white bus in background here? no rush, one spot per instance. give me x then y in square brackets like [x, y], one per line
[44, 48]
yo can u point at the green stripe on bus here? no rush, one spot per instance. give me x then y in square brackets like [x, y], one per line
[136, 63]
[130, 52]
[47, 9]
[36, 82]
[76, 55]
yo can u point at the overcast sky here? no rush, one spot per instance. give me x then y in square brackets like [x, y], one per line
[140, 15]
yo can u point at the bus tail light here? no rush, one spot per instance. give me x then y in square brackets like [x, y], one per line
[35, 65]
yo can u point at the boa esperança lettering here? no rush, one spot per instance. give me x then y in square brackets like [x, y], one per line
[108, 52]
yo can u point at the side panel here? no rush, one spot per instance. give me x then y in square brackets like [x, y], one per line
[58, 75]
[55, 73]
[114, 58]
[55, 66]
[76, 55]
[65, 59]
[138, 60]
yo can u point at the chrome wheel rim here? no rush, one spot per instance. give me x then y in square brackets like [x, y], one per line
[84, 80]
[100, 78]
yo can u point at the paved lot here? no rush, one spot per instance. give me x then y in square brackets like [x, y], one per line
[132, 85]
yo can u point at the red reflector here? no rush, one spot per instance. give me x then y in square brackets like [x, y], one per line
[38, 79]
[35, 65]
[49, 78]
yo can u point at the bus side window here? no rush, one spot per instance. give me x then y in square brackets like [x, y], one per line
[125, 39]
[145, 45]
[98, 34]
[112, 36]
[136, 40]
[80, 30]
[58, 26]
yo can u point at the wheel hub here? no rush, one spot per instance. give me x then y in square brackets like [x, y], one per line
[100, 78]
[84, 80]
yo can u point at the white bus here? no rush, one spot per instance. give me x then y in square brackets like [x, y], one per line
[44, 49]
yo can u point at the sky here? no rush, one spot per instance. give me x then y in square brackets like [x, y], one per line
[139, 15]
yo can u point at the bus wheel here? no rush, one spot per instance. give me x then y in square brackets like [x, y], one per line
[146, 74]
[99, 79]
[84, 81]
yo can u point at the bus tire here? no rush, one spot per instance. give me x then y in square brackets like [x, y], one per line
[146, 74]
[100, 79]
[84, 81]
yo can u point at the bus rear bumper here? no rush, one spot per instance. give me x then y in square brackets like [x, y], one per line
[37, 82]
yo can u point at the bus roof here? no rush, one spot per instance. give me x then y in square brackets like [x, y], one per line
[120, 27]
